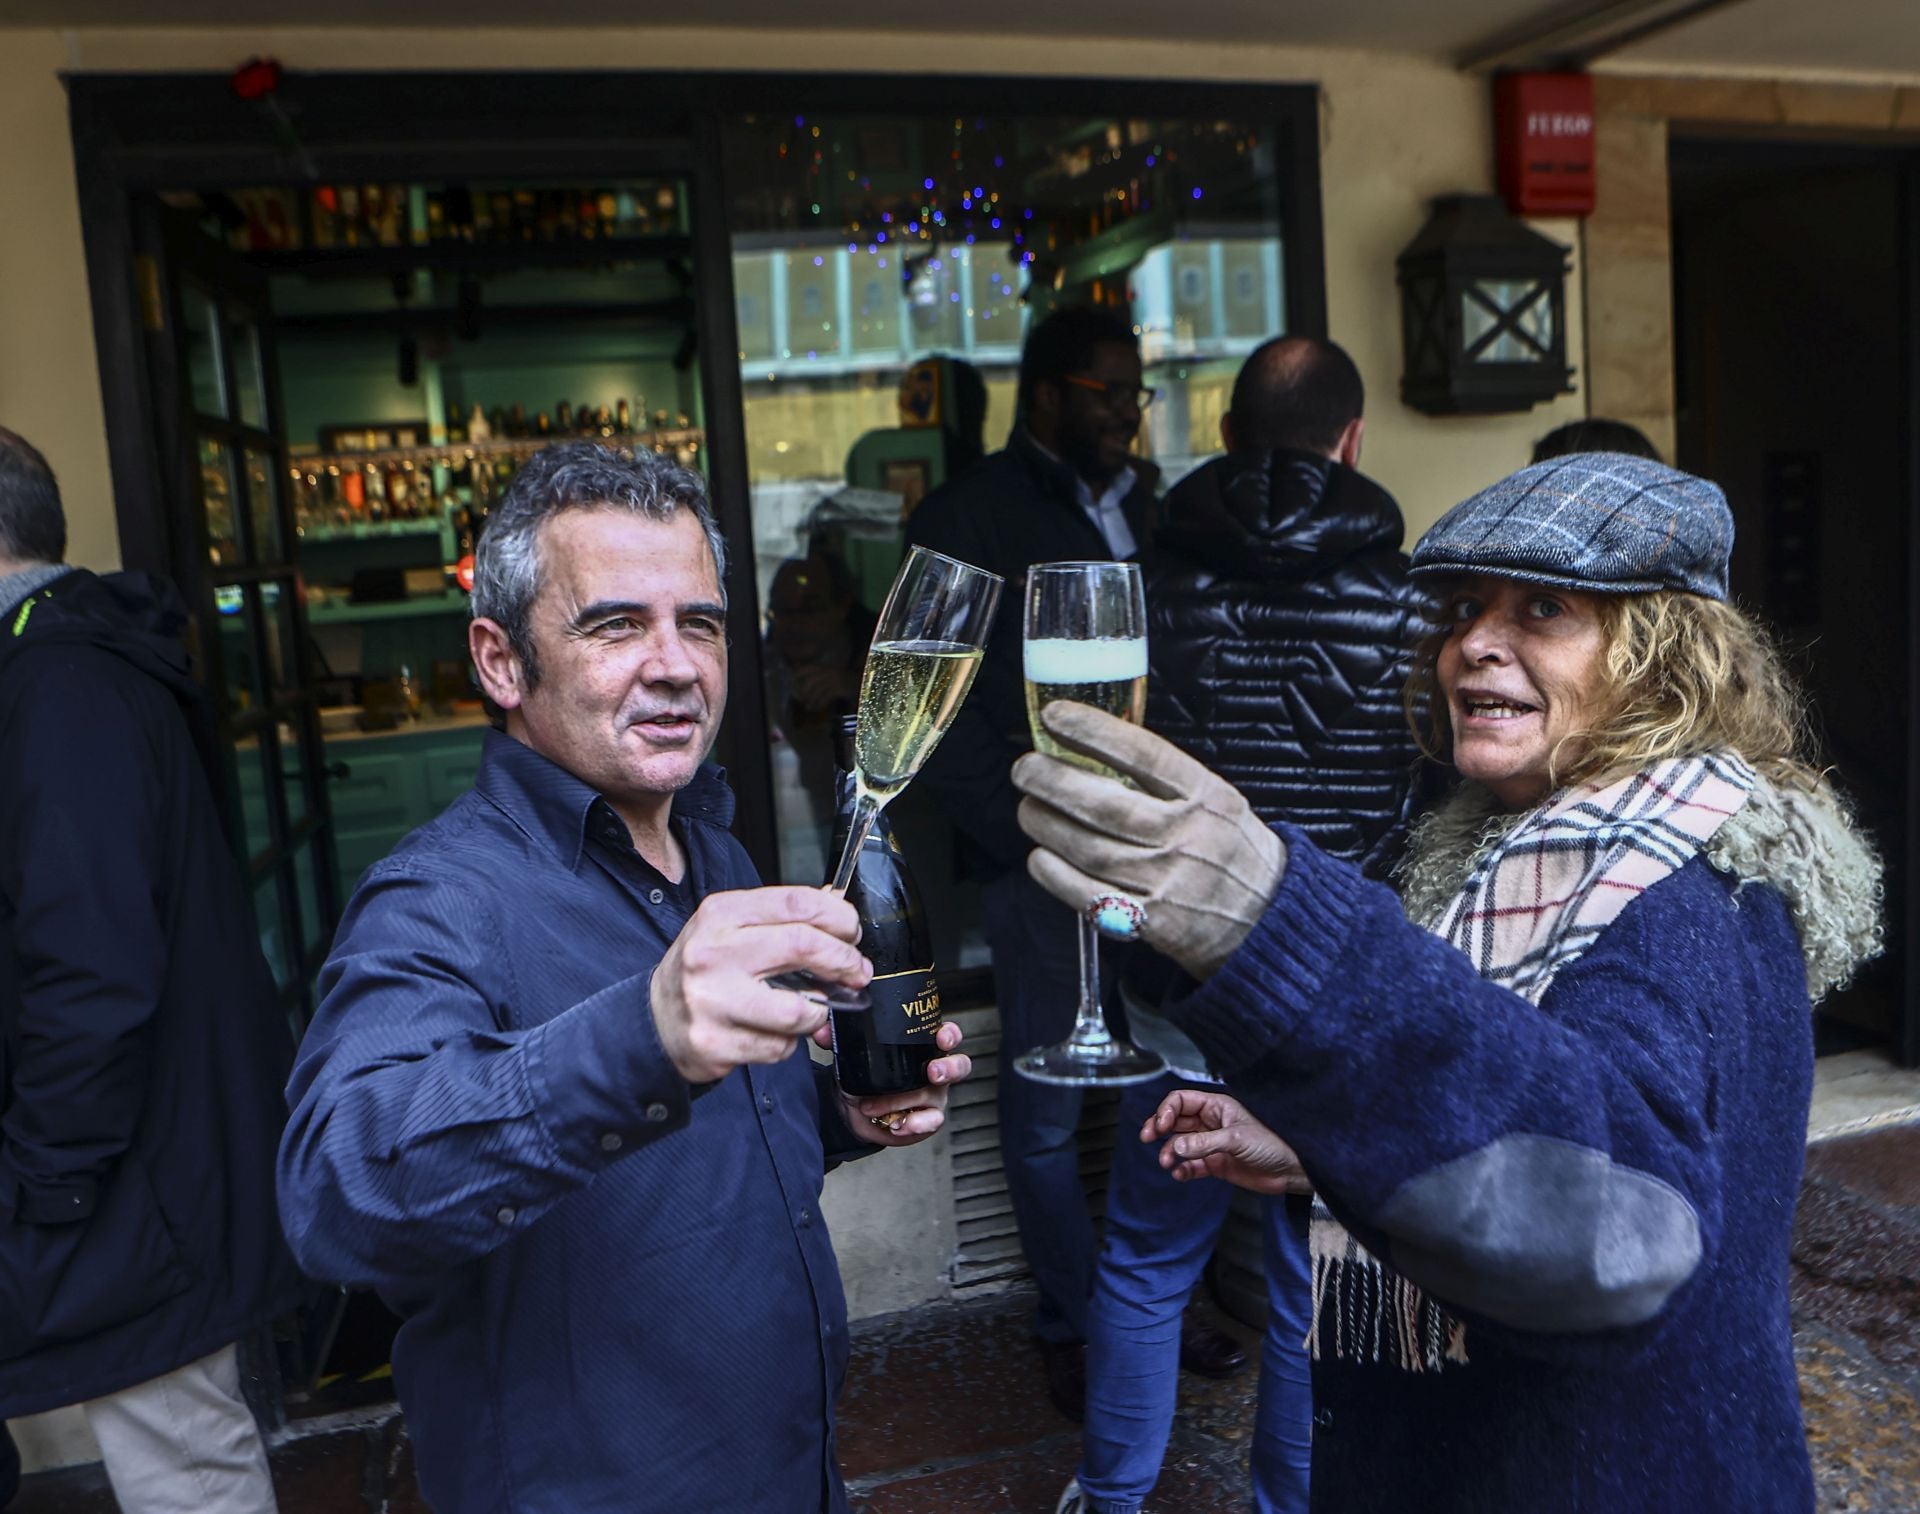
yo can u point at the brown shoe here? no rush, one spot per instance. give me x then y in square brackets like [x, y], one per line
[1207, 1349]
[1066, 1363]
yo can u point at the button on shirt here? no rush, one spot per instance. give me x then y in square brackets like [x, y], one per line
[615, 1295]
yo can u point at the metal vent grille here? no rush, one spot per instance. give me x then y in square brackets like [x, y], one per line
[989, 1249]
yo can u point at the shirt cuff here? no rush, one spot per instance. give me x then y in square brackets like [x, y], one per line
[603, 1082]
[1251, 1006]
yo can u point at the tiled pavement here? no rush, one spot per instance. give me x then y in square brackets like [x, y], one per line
[946, 1410]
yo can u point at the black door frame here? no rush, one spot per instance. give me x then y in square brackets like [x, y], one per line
[137, 134]
[1765, 148]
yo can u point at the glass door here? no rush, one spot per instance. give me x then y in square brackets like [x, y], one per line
[230, 529]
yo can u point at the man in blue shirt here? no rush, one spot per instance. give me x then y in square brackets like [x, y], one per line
[550, 1105]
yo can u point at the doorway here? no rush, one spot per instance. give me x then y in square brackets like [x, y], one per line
[1794, 267]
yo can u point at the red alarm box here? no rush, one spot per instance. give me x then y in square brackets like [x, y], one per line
[1543, 133]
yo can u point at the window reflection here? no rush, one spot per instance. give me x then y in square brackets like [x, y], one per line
[886, 270]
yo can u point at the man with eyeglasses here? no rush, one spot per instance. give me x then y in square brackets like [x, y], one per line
[1066, 488]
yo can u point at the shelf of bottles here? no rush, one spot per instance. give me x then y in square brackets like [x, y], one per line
[281, 223]
[354, 494]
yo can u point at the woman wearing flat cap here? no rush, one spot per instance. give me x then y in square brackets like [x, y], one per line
[1553, 1099]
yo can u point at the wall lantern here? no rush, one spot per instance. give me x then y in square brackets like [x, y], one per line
[1483, 312]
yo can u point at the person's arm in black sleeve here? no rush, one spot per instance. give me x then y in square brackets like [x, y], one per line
[968, 774]
[82, 854]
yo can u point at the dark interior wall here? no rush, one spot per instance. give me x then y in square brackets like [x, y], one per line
[1789, 319]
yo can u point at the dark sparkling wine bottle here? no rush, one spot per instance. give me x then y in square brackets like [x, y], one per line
[885, 1048]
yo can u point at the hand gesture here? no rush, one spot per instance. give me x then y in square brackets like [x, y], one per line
[1213, 1136]
[712, 1005]
[1182, 841]
[905, 1119]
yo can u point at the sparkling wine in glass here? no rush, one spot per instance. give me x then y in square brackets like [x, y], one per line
[922, 660]
[1086, 640]
[925, 653]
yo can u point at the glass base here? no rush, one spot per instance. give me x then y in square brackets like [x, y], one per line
[1069, 1065]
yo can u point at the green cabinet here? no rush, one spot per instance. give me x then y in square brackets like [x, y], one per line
[394, 783]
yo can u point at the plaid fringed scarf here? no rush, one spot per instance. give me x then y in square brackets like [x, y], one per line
[1537, 900]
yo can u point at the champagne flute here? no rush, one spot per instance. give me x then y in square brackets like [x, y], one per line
[921, 663]
[1086, 640]
[922, 660]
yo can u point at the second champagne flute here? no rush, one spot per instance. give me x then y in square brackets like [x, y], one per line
[1086, 640]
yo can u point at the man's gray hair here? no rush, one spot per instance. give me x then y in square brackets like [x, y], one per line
[33, 526]
[574, 476]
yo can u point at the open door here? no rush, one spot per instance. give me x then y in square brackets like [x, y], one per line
[230, 545]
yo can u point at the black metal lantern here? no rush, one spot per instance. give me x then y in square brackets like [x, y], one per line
[1483, 311]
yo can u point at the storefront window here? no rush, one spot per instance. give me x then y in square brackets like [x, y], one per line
[886, 269]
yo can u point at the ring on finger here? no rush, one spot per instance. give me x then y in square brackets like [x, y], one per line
[1120, 917]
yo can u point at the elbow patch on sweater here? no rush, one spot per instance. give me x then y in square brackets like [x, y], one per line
[1544, 1234]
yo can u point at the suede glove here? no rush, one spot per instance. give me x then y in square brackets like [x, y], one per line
[1182, 841]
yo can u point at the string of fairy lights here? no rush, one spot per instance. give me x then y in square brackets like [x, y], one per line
[1101, 175]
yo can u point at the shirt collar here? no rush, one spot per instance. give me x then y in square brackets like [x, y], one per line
[1118, 487]
[23, 584]
[551, 804]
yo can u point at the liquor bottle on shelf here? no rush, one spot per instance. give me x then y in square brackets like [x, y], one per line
[563, 419]
[456, 426]
[884, 1048]
[399, 492]
[517, 421]
[583, 418]
[352, 233]
[479, 428]
[324, 208]
[543, 424]
[622, 418]
[603, 421]
[460, 210]
[376, 493]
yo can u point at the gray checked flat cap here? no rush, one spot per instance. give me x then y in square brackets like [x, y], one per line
[1600, 521]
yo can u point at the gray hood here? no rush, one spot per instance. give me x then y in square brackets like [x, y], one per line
[1800, 842]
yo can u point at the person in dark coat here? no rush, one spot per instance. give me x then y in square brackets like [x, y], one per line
[141, 1052]
[1552, 1096]
[1280, 616]
[1066, 488]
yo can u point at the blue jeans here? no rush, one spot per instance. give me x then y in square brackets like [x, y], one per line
[1036, 972]
[1159, 1236]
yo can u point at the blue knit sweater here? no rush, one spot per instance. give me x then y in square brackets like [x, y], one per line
[1665, 1075]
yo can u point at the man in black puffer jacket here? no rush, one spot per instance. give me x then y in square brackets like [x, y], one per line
[1280, 614]
[141, 1049]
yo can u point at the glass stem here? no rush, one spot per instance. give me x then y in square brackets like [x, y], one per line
[866, 809]
[1090, 1025]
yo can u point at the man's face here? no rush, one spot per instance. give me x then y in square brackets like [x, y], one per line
[1100, 412]
[630, 634]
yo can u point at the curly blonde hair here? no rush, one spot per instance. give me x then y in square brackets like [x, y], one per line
[1684, 675]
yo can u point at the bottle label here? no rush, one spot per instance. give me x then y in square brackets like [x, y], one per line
[906, 1007]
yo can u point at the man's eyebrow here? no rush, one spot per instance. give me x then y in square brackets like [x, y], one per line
[606, 609]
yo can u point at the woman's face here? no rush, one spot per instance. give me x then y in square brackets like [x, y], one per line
[1520, 670]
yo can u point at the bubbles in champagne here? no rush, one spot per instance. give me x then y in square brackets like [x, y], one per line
[908, 697]
[1109, 673]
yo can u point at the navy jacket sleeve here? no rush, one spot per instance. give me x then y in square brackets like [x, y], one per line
[82, 841]
[1549, 1169]
[426, 1130]
[970, 773]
